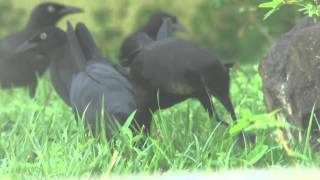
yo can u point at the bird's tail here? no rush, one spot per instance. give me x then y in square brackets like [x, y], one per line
[87, 43]
[77, 54]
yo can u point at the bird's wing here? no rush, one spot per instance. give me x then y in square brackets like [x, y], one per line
[112, 86]
[98, 71]
[87, 43]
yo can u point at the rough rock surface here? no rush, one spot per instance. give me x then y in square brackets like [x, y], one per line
[290, 72]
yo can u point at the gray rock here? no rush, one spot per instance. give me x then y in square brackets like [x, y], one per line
[290, 72]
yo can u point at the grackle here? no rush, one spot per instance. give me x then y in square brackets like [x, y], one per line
[93, 85]
[171, 70]
[19, 69]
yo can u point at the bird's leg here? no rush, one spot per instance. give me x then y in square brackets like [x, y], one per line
[208, 106]
[32, 89]
[143, 119]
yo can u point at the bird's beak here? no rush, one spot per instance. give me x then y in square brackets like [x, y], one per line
[27, 45]
[178, 27]
[70, 10]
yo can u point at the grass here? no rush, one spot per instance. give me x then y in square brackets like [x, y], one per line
[40, 138]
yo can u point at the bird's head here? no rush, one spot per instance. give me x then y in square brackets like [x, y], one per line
[45, 41]
[156, 20]
[132, 46]
[49, 13]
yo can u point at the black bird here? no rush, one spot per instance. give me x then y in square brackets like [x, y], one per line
[66, 65]
[172, 70]
[151, 28]
[99, 86]
[22, 68]
[93, 85]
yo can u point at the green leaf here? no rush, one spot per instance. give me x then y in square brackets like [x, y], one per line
[267, 5]
[269, 13]
[240, 126]
[299, 155]
[129, 121]
[257, 154]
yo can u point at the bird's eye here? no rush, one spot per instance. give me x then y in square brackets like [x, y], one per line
[43, 36]
[51, 9]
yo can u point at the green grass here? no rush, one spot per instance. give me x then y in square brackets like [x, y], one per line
[40, 138]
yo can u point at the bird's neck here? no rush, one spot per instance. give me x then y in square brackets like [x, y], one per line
[151, 29]
[37, 23]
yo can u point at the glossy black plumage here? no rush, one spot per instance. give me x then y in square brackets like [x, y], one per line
[87, 43]
[101, 86]
[88, 83]
[151, 29]
[74, 55]
[174, 70]
[22, 68]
